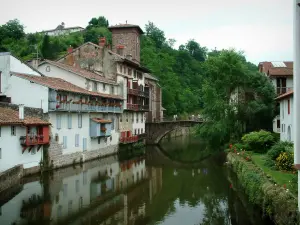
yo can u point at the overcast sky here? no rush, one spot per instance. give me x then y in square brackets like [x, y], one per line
[261, 28]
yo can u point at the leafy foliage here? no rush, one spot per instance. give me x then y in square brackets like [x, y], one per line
[278, 148]
[258, 141]
[285, 161]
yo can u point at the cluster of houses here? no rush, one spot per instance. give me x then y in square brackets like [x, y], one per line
[78, 107]
[281, 76]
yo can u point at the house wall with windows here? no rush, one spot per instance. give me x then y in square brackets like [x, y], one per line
[11, 149]
[286, 118]
[138, 124]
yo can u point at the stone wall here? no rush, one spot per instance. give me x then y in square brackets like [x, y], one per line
[180, 131]
[11, 177]
[57, 159]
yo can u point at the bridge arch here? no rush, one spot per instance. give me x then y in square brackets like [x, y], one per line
[155, 131]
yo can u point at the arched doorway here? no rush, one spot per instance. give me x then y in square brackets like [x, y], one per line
[289, 134]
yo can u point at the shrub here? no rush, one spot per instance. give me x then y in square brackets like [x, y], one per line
[279, 147]
[258, 141]
[285, 161]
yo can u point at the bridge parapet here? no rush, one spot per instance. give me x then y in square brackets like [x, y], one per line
[155, 131]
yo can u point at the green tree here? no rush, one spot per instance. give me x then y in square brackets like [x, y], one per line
[93, 34]
[157, 35]
[101, 21]
[229, 73]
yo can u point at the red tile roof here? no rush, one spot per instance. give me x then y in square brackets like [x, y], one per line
[287, 94]
[270, 70]
[99, 120]
[62, 85]
[81, 72]
[11, 117]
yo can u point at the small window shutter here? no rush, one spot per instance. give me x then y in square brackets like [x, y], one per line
[70, 121]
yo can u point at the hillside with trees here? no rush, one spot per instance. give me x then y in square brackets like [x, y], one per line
[193, 79]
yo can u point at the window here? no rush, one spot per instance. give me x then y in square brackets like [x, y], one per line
[79, 120]
[278, 123]
[69, 121]
[0, 153]
[70, 206]
[84, 144]
[113, 123]
[80, 202]
[139, 131]
[77, 186]
[58, 121]
[76, 140]
[94, 88]
[121, 118]
[64, 142]
[134, 131]
[13, 130]
[112, 90]
[142, 131]
[142, 117]
[33, 151]
[99, 140]
[104, 88]
[289, 107]
[65, 190]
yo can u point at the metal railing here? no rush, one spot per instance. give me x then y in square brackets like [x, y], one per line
[137, 107]
[131, 139]
[138, 92]
[83, 107]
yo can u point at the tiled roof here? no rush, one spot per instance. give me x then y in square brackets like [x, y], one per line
[9, 116]
[81, 72]
[118, 26]
[62, 85]
[285, 70]
[287, 94]
[99, 120]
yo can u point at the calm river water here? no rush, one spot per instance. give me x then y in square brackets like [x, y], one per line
[170, 185]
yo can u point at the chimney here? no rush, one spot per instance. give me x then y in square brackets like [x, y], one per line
[21, 112]
[70, 49]
[102, 41]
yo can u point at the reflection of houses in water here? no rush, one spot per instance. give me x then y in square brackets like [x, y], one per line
[102, 192]
[23, 206]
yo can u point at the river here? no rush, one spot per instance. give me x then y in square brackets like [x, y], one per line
[175, 184]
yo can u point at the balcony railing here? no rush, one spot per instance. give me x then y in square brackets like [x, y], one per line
[83, 107]
[126, 140]
[33, 140]
[283, 90]
[137, 107]
[138, 92]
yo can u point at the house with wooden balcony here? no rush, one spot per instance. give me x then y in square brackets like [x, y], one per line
[22, 138]
[281, 76]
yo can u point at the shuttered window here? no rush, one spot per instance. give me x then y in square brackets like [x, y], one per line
[64, 142]
[79, 120]
[58, 121]
[69, 121]
[76, 140]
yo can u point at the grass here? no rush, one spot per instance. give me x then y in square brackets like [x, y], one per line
[280, 177]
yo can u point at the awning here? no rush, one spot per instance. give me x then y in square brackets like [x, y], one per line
[99, 120]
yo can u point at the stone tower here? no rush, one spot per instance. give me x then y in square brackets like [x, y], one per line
[126, 40]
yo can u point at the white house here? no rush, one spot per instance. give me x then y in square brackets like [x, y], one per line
[61, 30]
[286, 116]
[21, 139]
[281, 76]
[83, 122]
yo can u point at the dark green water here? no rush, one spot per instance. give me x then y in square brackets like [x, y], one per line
[170, 185]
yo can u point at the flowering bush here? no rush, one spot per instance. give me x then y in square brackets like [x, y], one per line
[285, 161]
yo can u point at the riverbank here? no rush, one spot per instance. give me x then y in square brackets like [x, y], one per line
[274, 200]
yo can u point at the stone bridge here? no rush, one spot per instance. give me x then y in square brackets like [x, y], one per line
[155, 131]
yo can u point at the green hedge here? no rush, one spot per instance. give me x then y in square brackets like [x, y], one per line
[274, 200]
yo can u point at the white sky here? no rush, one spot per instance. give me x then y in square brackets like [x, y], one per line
[261, 28]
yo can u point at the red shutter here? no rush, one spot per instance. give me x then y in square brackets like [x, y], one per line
[289, 107]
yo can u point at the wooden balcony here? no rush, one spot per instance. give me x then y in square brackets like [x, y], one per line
[127, 140]
[137, 107]
[283, 90]
[138, 92]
